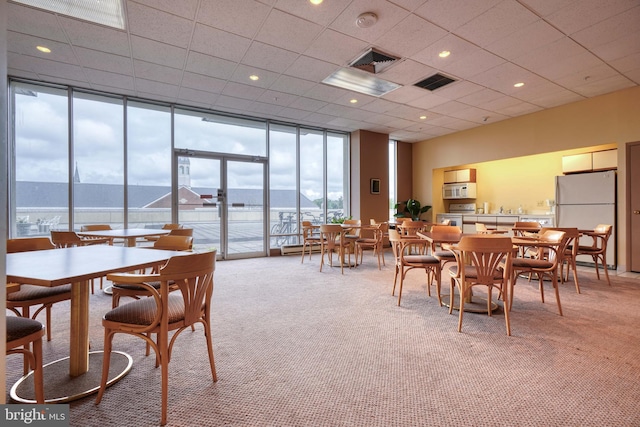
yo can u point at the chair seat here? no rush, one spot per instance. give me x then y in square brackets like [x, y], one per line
[421, 259]
[33, 292]
[444, 255]
[472, 273]
[588, 249]
[143, 311]
[367, 241]
[531, 263]
[20, 327]
[154, 285]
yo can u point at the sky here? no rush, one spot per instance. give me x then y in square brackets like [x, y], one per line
[41, 134]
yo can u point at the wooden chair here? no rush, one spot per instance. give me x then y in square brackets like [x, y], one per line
[482, 228]
[97, 227]
[171, 243]
[24, 296]
[406, 260]
[568, 257]
[332, 239]
[481, 261]
[68, 239]
[542, 266]
[443, 253]
[598, 248]
[168, 226]
[181, 232]
[164, 311]
[22, 332]
[373, 243]
[309, 238]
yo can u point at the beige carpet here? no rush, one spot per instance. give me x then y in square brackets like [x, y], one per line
[296, 347]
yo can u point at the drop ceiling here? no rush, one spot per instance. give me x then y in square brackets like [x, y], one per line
[201, 53]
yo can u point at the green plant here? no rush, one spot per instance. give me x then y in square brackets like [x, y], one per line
[339, 219]
[410, 208]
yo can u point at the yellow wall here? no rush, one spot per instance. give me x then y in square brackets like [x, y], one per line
[526, 181]
[610, 120]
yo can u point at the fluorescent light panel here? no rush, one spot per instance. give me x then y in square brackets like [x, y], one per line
[105, 12]
[359, 81]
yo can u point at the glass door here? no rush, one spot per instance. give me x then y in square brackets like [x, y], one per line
[223, 200]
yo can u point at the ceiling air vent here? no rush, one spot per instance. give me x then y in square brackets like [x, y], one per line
[434, 82]
[374, 61]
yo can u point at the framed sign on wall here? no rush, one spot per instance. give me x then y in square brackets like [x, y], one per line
[375, 186]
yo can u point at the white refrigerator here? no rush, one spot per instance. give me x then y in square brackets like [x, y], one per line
[585, 200]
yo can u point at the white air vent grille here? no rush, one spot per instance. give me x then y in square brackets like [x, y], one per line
[374, 61]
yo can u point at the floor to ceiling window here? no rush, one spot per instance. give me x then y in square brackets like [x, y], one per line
[98, 157]
[148, 164]
[78, 157]
[39, 188]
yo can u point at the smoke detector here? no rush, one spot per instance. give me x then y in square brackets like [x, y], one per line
[366, 20]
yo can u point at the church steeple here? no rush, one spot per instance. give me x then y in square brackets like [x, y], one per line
[184, 172]
[76, 175]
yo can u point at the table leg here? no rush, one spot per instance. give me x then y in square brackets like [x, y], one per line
[79, 346]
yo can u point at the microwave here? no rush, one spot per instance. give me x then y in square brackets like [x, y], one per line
[465, 190]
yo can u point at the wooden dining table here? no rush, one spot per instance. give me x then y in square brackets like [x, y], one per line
[130, 235]
[78, 266]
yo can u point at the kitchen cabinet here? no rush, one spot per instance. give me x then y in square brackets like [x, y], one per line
[605, 160]
[577, 163]
[460, 175]
[495, 222]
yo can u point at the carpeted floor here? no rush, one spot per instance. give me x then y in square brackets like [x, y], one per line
[296, 347]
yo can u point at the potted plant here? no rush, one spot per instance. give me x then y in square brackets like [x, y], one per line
[411, 208]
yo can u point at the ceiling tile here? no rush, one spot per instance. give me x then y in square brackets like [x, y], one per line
[242, 91]
[205, 83]
[113, 80]
[242, 17]
[210, 66]
[218, 43]
[269, 57]
[160, 26]
[500, 21]
[337, 48]
[406, 72]
[441, 13]
[96, 37]
[410, 36]
[158, 53]
[158, 73]
[184, 8]
[526, 39]
[104, 61]
[36, 22]
[322, 14]
[311, 69]
[292, 85]
[610, 29]
[583, 14]
[288, 32]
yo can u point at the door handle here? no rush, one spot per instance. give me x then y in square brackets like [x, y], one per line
[636, 212]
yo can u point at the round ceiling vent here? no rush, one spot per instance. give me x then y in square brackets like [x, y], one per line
[366, 20]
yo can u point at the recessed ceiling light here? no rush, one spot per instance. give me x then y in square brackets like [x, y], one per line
[360, 81]
[353, 101]
[423, 117]
[105, 12]
[315, 1]
[43, 49]
[254, 77]
[520, 84]
[444, 54]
